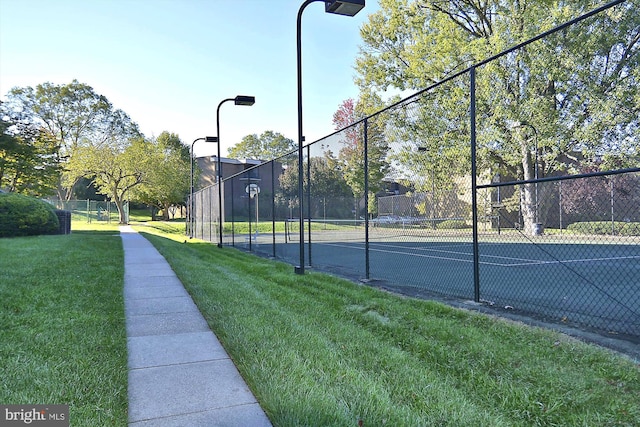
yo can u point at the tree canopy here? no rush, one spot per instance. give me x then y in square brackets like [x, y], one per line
[267, 146]
[74, 115]
[351, 152]
[330, 193]
[115, 170]
[152, 172]
[167, 182]
[573, 91]
[28, 159]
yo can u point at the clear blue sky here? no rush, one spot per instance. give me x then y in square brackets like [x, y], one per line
[168, 63]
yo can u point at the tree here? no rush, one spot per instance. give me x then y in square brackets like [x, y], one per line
[267, 146]
[115, 170]
[75, 115]
[574, 91]
[351, 154]
[328, 190]
[27, 159]
[172, 142]
[166, 183]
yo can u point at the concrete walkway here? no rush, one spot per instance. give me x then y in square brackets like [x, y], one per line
[179, 374]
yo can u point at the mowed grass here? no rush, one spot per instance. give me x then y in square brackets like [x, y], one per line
[62, 328]
[321, 351]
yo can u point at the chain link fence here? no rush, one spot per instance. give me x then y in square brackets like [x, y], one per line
[497, 185]
[92, 210]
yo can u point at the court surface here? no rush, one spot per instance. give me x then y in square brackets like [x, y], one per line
[560, 279]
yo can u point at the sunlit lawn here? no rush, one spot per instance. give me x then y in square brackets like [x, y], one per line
[62, 329]
[315, 349]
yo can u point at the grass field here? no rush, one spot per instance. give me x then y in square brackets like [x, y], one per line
[318, 350]
[62, 330]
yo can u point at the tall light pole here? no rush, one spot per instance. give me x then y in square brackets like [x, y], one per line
[190, 216]
[238, 100]
[338, 7]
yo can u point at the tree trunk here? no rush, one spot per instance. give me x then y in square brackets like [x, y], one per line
[120, 206]
[528, 197]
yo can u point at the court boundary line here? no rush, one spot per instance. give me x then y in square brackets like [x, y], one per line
[531, 262]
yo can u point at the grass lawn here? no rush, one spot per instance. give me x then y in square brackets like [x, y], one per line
[316, 350]
[62, 330]
[321, 351]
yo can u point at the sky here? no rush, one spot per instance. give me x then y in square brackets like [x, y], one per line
[169, 63]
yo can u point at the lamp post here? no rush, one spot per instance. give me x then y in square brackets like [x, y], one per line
[206, 139]
[338, 7]
[238, 100]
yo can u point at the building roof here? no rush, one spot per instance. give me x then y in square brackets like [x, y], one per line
[227, 160]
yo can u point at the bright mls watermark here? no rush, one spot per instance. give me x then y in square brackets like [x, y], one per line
[34, 415]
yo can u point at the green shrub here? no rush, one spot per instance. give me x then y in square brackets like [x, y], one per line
[26, 216]
[628, 228]
[452, 224]
[604, 227]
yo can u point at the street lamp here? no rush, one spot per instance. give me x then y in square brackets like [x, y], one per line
[238, 100]
[338, 7]
[206, 139]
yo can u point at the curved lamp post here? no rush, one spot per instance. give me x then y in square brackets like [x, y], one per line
[338, 7]
[206, 139]
[238, 100]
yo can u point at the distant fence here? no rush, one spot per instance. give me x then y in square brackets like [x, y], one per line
[455, 192]
[92, 210]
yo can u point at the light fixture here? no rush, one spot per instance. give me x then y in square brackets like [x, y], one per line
[344, 7]
[244, 100]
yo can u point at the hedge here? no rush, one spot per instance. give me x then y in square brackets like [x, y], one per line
[26, 216]
[604, 227]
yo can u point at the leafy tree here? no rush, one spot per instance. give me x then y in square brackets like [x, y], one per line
[329, 190]
[267, 146]
[115, 170]
[331, 196]
[574, 91]
[166, 182]
[75, 115]
[28, 159]
[351, 154]
[172, 142]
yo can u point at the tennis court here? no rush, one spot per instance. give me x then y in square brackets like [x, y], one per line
[563, 278]
[553, 193]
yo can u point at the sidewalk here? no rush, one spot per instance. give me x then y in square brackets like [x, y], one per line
[179, 374]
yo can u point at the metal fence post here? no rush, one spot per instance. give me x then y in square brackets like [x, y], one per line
[273, 205]
[249, 212]
[233, 217]
[613, 221]
[474, 196]
[560, 204]
[210, 214]
[366, 201]
[309, 198]
[202, 215]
